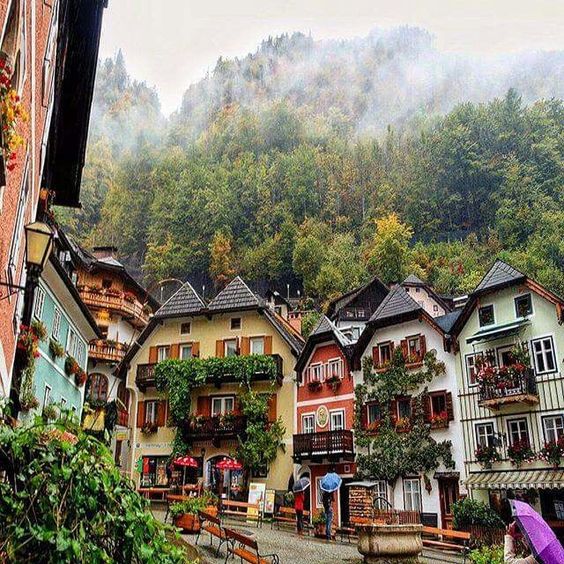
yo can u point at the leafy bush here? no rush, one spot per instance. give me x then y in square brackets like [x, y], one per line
[64, 500]
[467, 512]
[319, 518]
[193, 504]
[487, 555]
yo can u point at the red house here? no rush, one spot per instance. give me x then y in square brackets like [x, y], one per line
[325, 414]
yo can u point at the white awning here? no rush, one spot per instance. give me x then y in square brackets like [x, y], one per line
[497, 331]
[516, 480]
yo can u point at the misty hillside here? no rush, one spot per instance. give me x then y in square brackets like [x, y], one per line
[320, 164]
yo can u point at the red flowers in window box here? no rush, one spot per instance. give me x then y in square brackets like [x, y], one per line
[80, 377]
[314, 385]
[439, 420]
[486, 455]
[519, 452]
[552, 452]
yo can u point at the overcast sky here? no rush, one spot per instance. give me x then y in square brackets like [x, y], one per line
[171, 43]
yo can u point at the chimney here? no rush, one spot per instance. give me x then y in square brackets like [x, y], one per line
[295, 320]
[104, 252]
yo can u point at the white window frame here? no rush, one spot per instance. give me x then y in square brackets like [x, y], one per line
[308, 417]
[47, 395]
[226, 343]
[163, 353]
[38, 303]
[336, 363]
[385, 345]
[479, 427]
[556, 429]
[316, 372]
[63, 402]
[530, 296]
[337, 413]
[417, 350]
[56, 327]
[380, 490]
[222, 400]
[151, 407]
[544, 354]
[183, 348]
[48, 75]
[411, 494]
[252, 341]
[522, 430]
[71, 342]
[369, 419]
[189, 323]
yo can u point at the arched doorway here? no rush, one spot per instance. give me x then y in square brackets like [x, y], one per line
[228, 484]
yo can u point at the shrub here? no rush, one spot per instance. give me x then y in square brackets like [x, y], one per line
[468, 512]
[319, 518]
[487, 555]
[64, 500]
[193, 504]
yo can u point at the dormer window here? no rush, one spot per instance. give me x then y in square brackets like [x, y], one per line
[486, 315]
[235, 323]
[523, 306]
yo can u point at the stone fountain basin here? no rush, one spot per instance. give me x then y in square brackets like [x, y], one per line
[389, 543]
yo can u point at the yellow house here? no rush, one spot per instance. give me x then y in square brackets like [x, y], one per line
[235, 322]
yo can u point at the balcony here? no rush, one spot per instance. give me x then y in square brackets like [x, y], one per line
[507, 385]
[216, 428]
[122, 417]
[330, 445]
[227, 377]
[145, 377]
[108, 350]
[119, 302]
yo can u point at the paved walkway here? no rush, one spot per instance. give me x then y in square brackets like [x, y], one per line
[293, 549]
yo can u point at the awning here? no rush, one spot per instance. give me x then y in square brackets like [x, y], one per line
[516, 480]
[498, 331]
[362, 484]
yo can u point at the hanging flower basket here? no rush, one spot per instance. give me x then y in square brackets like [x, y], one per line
[71, 366]
[80, 377]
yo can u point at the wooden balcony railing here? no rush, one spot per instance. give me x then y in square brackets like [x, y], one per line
[510, 387]
[216, 428]
[145, 377]
[117, 302]
[102, 349]
[326, 444]
[258, 376]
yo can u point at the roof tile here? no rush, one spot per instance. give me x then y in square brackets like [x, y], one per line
[397, 302]
[236, 295]
[500, 274]
[185, 301]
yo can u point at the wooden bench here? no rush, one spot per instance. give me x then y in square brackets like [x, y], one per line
[211, 525]
[449, 534]
[153, 493]
[246, 549]
[349, 529]
[288, 515]
[241, 509]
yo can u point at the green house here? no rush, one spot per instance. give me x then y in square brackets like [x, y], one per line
[70, 324]
[511, 392]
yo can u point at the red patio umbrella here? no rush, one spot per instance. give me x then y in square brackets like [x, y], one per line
[185, 462]
[229, 464]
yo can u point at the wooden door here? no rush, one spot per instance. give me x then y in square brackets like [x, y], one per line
[448, 493]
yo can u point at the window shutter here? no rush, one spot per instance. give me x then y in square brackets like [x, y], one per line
[376, 356]
[237, 406]
[427, 407]
[423, 342]
[245, 345]
[140, 413]
[364, 416]
[404, 349]
[268, 344]
[153, 355]
[175, 350]
[196, 349]
[204, 406]
[219, 348]
[272, 408]
[449, 406]
[393, 409]
[161, 413]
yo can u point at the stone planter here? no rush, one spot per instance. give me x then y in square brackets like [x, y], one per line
[390, 543]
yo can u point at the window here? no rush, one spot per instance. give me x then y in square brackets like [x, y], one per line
[257, 345]
[49, 54]
[316, 372]
[360, 313]
[222, 405]
[47, 395]
[486, 315]
[543, 353]
[38, 304]
[518, 431]
[438, 403]
[373, 413]
[472, 361]
[230, 347]
[523, 306]
[308, 423]
[235, 323]
[412, 494]
[56, 328]
[435, 308]
[385, 350]
[553, 428]
[63, 402]
[414, 347]
[163, 353]
[335, 368]
[79, 352]
[185, 352]
[404, 408]
[485, 434]
[337, 420]
[71, 342]
[151, 412]
[97, 389]
[185, 328]
[417, 289]
[381, 494]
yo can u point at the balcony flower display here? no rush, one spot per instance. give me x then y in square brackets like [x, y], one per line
[552, 452]
[56, 349]
[520, 452]
[373, 426]
[80, 377]
[439, 420]
[334, 381]
[403, 424]
[71, 366]
[28, 345]
[314, 385]
[487, 455]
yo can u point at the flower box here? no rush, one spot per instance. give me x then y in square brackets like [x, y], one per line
[439, 420]
[520, 452]
[314, 385]
[486, 456]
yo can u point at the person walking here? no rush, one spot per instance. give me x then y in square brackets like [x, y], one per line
[327, 500]
[299, 509]
[512, 537]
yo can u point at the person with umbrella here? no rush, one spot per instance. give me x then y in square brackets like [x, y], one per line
[542, 541]
[329, 484]
[299, 493]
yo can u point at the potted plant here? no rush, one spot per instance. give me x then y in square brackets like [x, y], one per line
[28, 401]
[318, 521]
[80, 377]
[486, 455]
[185, 513]
[403, 424]
[520, 452]
[552, 452]
[56, 349]
[334, 381]
[71, 366]
[50, 412]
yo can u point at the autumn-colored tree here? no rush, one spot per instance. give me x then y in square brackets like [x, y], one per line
[222, 262]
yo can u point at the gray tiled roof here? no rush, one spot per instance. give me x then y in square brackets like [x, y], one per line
[185, 301]
[413, 280]
[500, 274]
[397, 302]
[445, 322]
[325, 325]
[236, 295]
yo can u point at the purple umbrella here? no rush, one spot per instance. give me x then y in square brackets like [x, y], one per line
[541, 538]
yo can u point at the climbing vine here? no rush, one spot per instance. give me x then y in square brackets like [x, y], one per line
[397, 448]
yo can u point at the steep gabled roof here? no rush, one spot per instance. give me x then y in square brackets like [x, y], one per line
[499, 275]
[235, 296]
[447, 321]
[413, 280]
[326, 326]
[398, 302]
[342, 301]
[185, 301]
